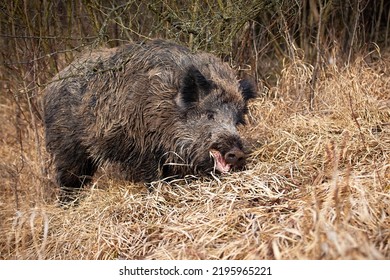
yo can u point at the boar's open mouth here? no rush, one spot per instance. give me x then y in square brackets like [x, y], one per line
[220, 163]
[233, 159]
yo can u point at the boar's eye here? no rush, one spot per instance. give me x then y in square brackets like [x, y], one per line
[210, 115]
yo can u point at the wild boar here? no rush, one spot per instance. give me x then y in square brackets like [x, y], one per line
[155, 109]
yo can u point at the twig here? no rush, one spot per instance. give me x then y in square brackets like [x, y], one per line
[313, 83]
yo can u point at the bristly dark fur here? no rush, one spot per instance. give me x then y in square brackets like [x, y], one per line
[194, 86]
[155, 108]
[247, 89]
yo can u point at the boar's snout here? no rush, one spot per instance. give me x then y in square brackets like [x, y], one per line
[235, 157]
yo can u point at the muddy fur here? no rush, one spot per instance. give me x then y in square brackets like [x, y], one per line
[154, 108]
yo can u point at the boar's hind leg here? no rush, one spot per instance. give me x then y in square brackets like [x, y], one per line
[72, 174]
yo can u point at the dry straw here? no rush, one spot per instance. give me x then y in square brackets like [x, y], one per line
[317, 186]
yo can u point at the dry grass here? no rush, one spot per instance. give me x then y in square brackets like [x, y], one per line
[317, 186]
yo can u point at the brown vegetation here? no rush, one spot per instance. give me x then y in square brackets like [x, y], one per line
[317, 184]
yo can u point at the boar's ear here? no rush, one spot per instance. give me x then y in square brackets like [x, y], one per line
[247, 89]
[193, 86]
